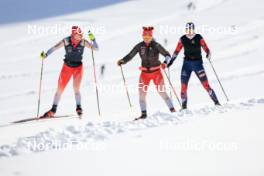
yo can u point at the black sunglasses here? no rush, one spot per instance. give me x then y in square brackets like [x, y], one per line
[148, 28]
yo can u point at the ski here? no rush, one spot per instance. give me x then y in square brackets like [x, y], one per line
[139, 118]
[42, 118]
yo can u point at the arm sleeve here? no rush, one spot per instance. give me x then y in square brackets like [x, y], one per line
[131, 54]
[56, 47]
[162, 50]
[204, 46]
[93, 44]
[178, 48]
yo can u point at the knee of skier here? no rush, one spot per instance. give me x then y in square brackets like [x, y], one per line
[164, 95]
[142, 98]
[184, 88]
[184, 79]
[206, 85]
[77, 93]
[61, 86]
[76, 85]
[142, 93]
[143, 88]
[161, 88]
[202, 75]
[60, 90]
[76, 89]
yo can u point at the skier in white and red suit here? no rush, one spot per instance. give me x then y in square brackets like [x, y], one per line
[73, 67]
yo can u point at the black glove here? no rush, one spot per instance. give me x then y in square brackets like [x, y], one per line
[171, 61]
[120, 62]
[208, 55]
[173, 58]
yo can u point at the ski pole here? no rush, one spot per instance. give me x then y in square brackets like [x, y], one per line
[218, 80]
[169, 75]
[124, 80]
[95, 81]
[40, 86]
[172, 87]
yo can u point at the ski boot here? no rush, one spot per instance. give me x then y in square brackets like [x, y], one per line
[79, 110]
[50, 113]
[184, 106]
[172, 110]
[143, 116]
[217, 103]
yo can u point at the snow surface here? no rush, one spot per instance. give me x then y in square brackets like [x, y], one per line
[205, 140]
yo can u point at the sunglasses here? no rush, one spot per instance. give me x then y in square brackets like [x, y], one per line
[148, 28]
[76, 30]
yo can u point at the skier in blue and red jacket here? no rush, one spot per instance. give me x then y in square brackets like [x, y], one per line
[192, 44]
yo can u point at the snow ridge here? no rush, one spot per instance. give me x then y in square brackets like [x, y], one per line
[91, 133]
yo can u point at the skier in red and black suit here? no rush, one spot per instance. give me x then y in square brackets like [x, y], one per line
[149, 51]
[192, 44]
[74, 47]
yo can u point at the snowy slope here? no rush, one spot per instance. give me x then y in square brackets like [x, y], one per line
[202, 141]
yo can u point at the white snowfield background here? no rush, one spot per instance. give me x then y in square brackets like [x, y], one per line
[204, 140]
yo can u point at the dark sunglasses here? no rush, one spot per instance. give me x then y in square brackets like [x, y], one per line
[148, 28]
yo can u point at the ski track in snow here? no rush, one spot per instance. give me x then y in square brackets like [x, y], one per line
[91, 133]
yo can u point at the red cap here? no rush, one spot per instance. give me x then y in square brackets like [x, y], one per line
[148, 31]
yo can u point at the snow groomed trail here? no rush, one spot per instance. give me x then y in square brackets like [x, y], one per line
[203, 141]
[93, 132]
